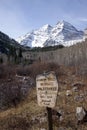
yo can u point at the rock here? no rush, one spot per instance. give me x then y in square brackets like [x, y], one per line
[68, 93]
[9, 80]
[82, 95]
[34, 120]
[78, 84]
[79, 97]
[43, 119]
[75, 89]
[81, 115]
[25, 80]
[57, 115]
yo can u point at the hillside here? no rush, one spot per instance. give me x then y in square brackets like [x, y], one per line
[10, 50]
[6, 43]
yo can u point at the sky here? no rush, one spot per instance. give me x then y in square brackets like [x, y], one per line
[18, 17]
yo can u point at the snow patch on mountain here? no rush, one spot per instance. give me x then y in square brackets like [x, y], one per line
[62, 33]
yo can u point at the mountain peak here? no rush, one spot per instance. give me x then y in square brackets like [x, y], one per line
[46, 27]
[64, 23]
[62, 33]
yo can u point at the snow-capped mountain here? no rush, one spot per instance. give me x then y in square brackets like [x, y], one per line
[36, 37]
[62, 33]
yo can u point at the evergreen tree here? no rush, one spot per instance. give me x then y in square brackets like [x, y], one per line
[12, 56]
[1, 60]
[20, 53]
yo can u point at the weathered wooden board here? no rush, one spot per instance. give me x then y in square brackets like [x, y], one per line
[47, 88]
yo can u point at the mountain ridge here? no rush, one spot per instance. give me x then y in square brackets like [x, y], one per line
[62, 33]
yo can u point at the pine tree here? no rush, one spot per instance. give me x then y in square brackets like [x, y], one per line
[20, 55]
[1, 60]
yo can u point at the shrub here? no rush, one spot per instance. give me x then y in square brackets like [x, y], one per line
[11, 93]
[7, 71]
[11, 90]
[38, 68]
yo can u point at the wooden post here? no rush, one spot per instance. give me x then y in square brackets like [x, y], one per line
[50, 123]
[47, 89]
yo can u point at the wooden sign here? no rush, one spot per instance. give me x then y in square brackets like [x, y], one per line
[47, 88]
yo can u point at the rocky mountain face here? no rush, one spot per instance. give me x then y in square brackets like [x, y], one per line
[85, 33]
[62, 33]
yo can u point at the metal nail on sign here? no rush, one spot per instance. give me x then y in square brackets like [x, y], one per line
[47, 88]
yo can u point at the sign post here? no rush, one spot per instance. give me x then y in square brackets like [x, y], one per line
[47, 88]
[50, 123]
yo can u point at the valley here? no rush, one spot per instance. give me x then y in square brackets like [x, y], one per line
[19, 66]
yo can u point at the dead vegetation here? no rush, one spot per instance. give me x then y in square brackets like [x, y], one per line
[24, 115]
[20, 109]
[38, 68]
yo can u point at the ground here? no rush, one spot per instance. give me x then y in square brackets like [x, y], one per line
[27, 114]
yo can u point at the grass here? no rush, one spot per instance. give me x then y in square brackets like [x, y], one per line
[20, 117]
[24, 111]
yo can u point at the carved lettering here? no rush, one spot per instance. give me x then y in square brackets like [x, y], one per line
[47, 88]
